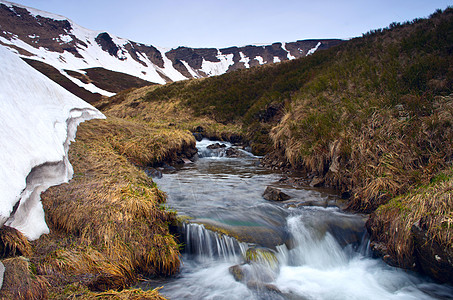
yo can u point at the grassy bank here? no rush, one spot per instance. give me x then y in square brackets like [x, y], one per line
[107, 226]
[426, 211]
[167, 113]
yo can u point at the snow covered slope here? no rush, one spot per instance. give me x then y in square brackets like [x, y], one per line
[38, 120]
[72, 50]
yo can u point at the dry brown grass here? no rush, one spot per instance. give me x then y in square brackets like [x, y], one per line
[166, 114]
[107, 225]
[20, 281]
[385, 156]
[13, 243]
[131, 294]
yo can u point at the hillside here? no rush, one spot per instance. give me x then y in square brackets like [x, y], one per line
[93, 64]
[370, 117]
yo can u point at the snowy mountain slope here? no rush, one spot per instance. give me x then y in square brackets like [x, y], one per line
[38, 120]
[59, 42]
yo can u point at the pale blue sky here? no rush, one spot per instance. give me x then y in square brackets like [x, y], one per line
[203, 23]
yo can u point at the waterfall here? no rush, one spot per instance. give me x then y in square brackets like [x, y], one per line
[312, 247]
[203, 243]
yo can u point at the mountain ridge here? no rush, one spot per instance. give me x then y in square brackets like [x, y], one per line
[65, 45]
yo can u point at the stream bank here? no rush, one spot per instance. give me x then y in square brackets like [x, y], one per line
[320, 251]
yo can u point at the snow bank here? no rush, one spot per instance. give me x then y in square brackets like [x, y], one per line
[38, 121]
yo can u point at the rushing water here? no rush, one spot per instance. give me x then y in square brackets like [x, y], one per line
[303, 251]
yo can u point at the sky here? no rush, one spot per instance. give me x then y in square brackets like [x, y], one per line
[219, 24]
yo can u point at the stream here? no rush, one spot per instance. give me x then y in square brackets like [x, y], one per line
[302, 248]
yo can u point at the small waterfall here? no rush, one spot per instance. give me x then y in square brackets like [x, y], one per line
[312, 247]
[207, 148]
[204, 243]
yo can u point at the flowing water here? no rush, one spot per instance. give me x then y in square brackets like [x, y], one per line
[302, 248]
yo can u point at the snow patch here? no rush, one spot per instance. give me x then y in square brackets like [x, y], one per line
[289, 53]
[189, 68]
[38, 121]
[35, 12]
[260, 60]
[218, 68]
[276, 59]
[245, 60]
[65, 38]
[313, 50]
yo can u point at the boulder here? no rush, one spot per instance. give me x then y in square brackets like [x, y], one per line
[233, 152]
[433, 259]
[274, 194]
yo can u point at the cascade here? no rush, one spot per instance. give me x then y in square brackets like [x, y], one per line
[203, 243]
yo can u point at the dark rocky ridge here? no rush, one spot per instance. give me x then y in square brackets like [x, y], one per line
[37, 31]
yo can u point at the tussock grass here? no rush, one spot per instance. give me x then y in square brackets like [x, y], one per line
[13, 243]
[20, 281]
[376, 155]
[107, 225]
[167, 114]
[429, 207]
[132, 294]
[144, 144]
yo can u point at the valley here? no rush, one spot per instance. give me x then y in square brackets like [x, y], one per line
[358, 133]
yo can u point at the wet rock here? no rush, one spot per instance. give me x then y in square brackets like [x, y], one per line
[262, 256]
[216, 146]
[317, 182]
[168, 167]
[260, 286]
[434, 260]
[274, 194]
[198, 136]
[233, 152]
[154, 173]
[187, 161]
[238, 272]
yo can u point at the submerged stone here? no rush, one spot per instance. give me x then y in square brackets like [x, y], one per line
[262, 256]
[238, 272]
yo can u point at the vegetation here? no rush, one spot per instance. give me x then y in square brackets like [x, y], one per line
[371, 117]
[428, 207]
[107, 226]
[167, 115]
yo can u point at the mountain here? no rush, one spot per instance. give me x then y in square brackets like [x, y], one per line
[93, 63]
